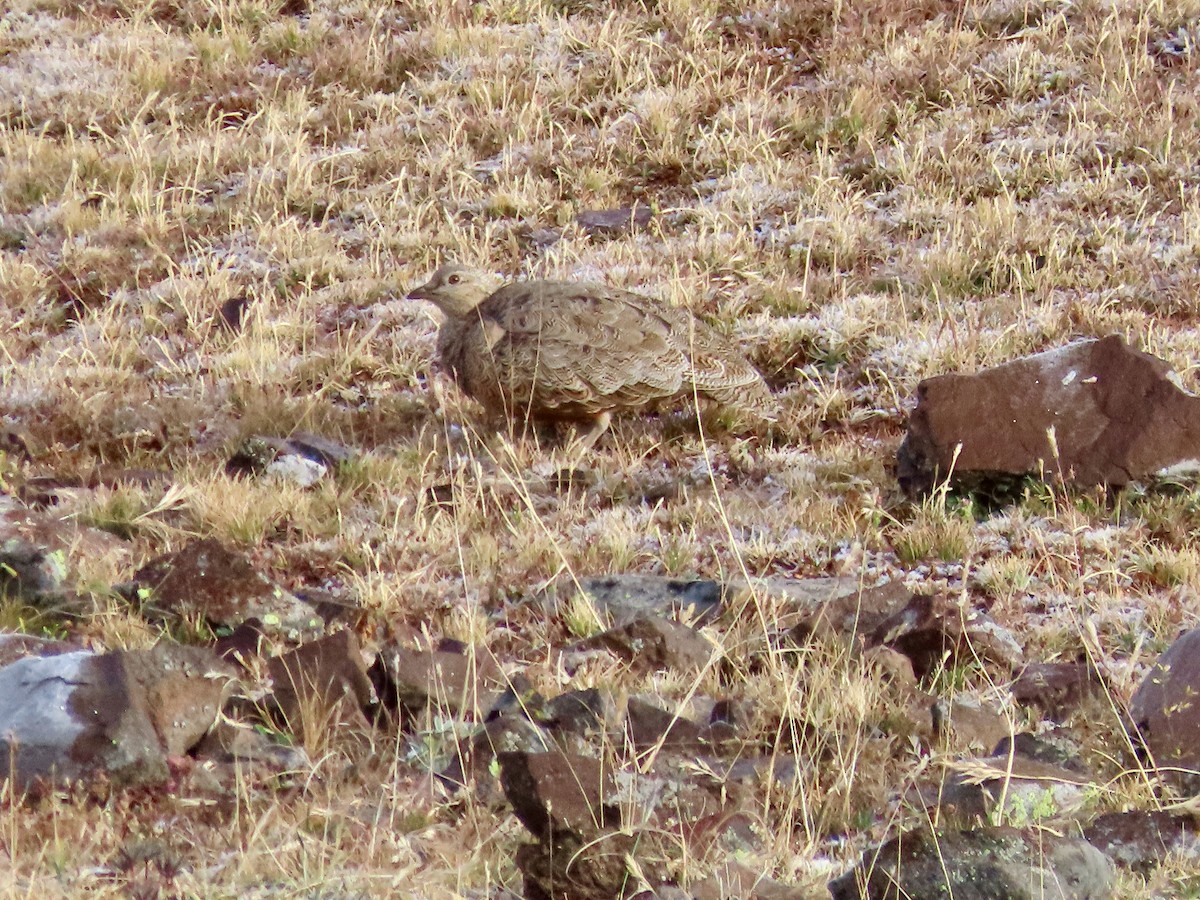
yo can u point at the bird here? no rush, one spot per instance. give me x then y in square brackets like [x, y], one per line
[579, 351]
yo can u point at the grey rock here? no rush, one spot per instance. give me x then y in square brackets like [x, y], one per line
[31, 571]
[124, 713]
[621, 599]
[984, 864]
[610, 223]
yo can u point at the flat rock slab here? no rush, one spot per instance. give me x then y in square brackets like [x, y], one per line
[1166, 711]
[985, 864]
[68, 716]
[621, 599]
[610, 223]
[207, 578]
[1093, 412]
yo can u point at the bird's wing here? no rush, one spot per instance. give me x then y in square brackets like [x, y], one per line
[587, 345]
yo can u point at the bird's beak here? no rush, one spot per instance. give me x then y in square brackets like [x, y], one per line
[420, 293]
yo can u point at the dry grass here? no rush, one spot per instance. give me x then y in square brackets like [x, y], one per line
[863, 194]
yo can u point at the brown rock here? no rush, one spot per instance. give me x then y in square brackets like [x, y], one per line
[985, 864]
[1166, 711]
[208, 579]
[654, 644]
[965, 723]
[321, 683]
[1140, 840]
[857, 611]
[560, 351]
[1093, 412]
[931, 626]
[1058, 689]
[456, 682]
[652, 726]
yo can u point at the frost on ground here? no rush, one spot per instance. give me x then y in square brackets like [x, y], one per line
[860, 196]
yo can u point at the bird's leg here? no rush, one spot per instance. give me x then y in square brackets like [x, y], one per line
[599, 426]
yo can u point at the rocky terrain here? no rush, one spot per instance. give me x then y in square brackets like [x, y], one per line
[283, 614]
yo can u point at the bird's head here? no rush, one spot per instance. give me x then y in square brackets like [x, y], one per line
[456, 290]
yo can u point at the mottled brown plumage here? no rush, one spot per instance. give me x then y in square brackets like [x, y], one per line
[558, 350]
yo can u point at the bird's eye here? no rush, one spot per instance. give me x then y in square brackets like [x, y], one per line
[454, 279]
